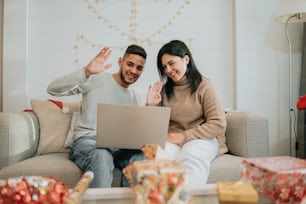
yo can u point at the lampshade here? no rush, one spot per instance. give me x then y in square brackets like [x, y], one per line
[288, 8]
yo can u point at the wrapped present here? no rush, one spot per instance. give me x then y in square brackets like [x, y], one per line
[281, 178]
[157, 182]
[33, 189]
[42, 190]
[154, 152]
[79, 189]
[236, 192]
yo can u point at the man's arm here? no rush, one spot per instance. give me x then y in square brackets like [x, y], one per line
[70, 84]
[74, 83]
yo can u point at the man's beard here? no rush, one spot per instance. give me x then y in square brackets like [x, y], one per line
[123, 79]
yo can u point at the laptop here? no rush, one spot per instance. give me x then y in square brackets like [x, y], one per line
[131, 126]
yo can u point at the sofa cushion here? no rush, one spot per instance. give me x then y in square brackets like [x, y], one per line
[225, 167]
[55, 164]
[247, 134]
[53, 123]
[71, 134]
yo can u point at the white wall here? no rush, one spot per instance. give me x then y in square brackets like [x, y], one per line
[234, 43]
[263, 67]
[15, 40]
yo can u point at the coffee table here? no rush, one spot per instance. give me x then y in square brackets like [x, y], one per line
[205, 194]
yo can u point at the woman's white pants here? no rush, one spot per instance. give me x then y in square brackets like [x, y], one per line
[195, 157]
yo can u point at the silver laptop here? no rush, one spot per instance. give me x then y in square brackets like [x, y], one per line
[130, 127]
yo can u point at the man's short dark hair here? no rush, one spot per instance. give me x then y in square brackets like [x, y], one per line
[135, 49]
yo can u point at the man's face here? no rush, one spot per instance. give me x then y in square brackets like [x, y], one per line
[131, 67]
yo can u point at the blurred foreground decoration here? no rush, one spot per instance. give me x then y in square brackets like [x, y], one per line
[42, 190]
[281, 178]
[157, 181]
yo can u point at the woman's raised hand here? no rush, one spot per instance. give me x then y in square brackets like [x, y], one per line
[97, 64]
[153, 95]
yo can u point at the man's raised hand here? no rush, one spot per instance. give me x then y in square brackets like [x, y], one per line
[98, 64]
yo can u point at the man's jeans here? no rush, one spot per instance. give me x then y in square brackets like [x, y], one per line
[101, 161]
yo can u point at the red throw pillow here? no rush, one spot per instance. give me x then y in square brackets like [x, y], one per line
[301, 104]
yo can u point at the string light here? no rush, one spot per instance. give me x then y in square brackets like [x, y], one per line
[131, 35]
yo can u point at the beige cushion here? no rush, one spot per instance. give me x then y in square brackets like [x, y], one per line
[70, 134]
[225, 167]
[247, 134]
[53, 164]
[53, 123]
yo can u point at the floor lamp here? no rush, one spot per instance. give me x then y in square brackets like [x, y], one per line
[290, 11]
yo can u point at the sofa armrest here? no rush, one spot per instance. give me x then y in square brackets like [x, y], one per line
[19, 135]
[247, 134]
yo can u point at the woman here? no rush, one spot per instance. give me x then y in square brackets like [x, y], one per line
[197, 122]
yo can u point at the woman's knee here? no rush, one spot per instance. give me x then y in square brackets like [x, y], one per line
[200, 148]
[172, 150]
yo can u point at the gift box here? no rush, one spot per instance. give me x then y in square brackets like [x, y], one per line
[157, 182]
[236, 192]
[33, 189]
[42, 190]
[280, 178]
[154, 152]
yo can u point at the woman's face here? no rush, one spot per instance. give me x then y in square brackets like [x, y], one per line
[175, 67]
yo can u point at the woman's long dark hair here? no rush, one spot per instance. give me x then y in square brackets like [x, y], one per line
[178, 48]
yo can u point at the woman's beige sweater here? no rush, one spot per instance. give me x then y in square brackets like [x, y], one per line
[198, 116]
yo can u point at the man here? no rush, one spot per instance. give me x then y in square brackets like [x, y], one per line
[98, 86]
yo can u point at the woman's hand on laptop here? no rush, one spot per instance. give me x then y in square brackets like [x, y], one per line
[97, 64]
[153, 96]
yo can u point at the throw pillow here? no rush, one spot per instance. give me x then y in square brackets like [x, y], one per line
[70, 134]
[54, 124]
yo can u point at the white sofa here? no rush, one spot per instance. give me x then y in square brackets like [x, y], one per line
[33, 143]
